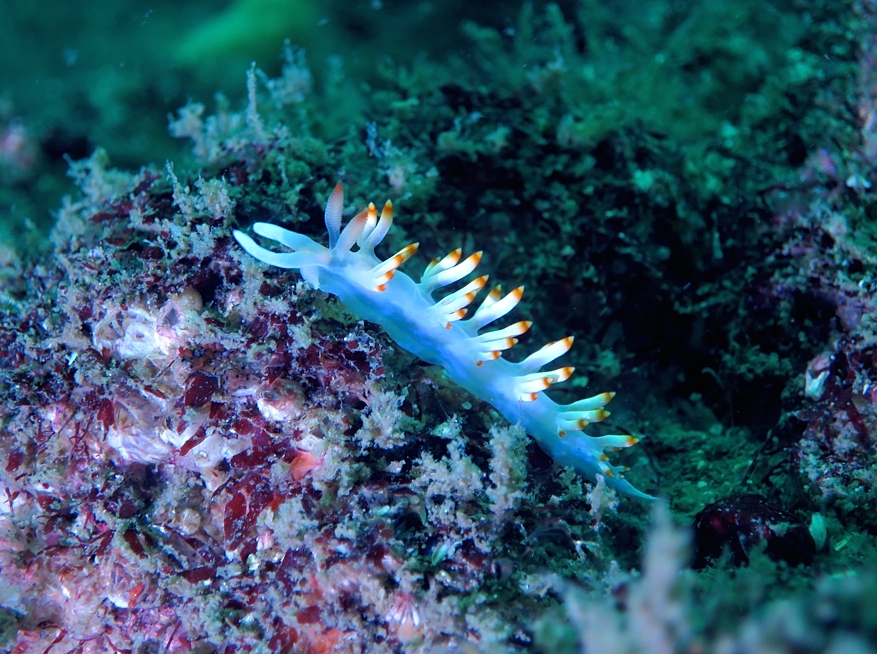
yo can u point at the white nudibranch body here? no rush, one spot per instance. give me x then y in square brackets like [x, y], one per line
[435, 330]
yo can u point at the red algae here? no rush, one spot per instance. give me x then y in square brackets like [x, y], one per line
[190, 454]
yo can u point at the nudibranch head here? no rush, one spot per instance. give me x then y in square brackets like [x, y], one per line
[365, 231]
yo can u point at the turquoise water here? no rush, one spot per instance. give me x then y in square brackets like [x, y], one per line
[685, 187]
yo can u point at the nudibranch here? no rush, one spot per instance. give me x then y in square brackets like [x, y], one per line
[439, 332]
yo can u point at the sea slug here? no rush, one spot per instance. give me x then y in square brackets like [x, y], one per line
[436, 331]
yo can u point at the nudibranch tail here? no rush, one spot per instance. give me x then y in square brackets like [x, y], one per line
[439, 331]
